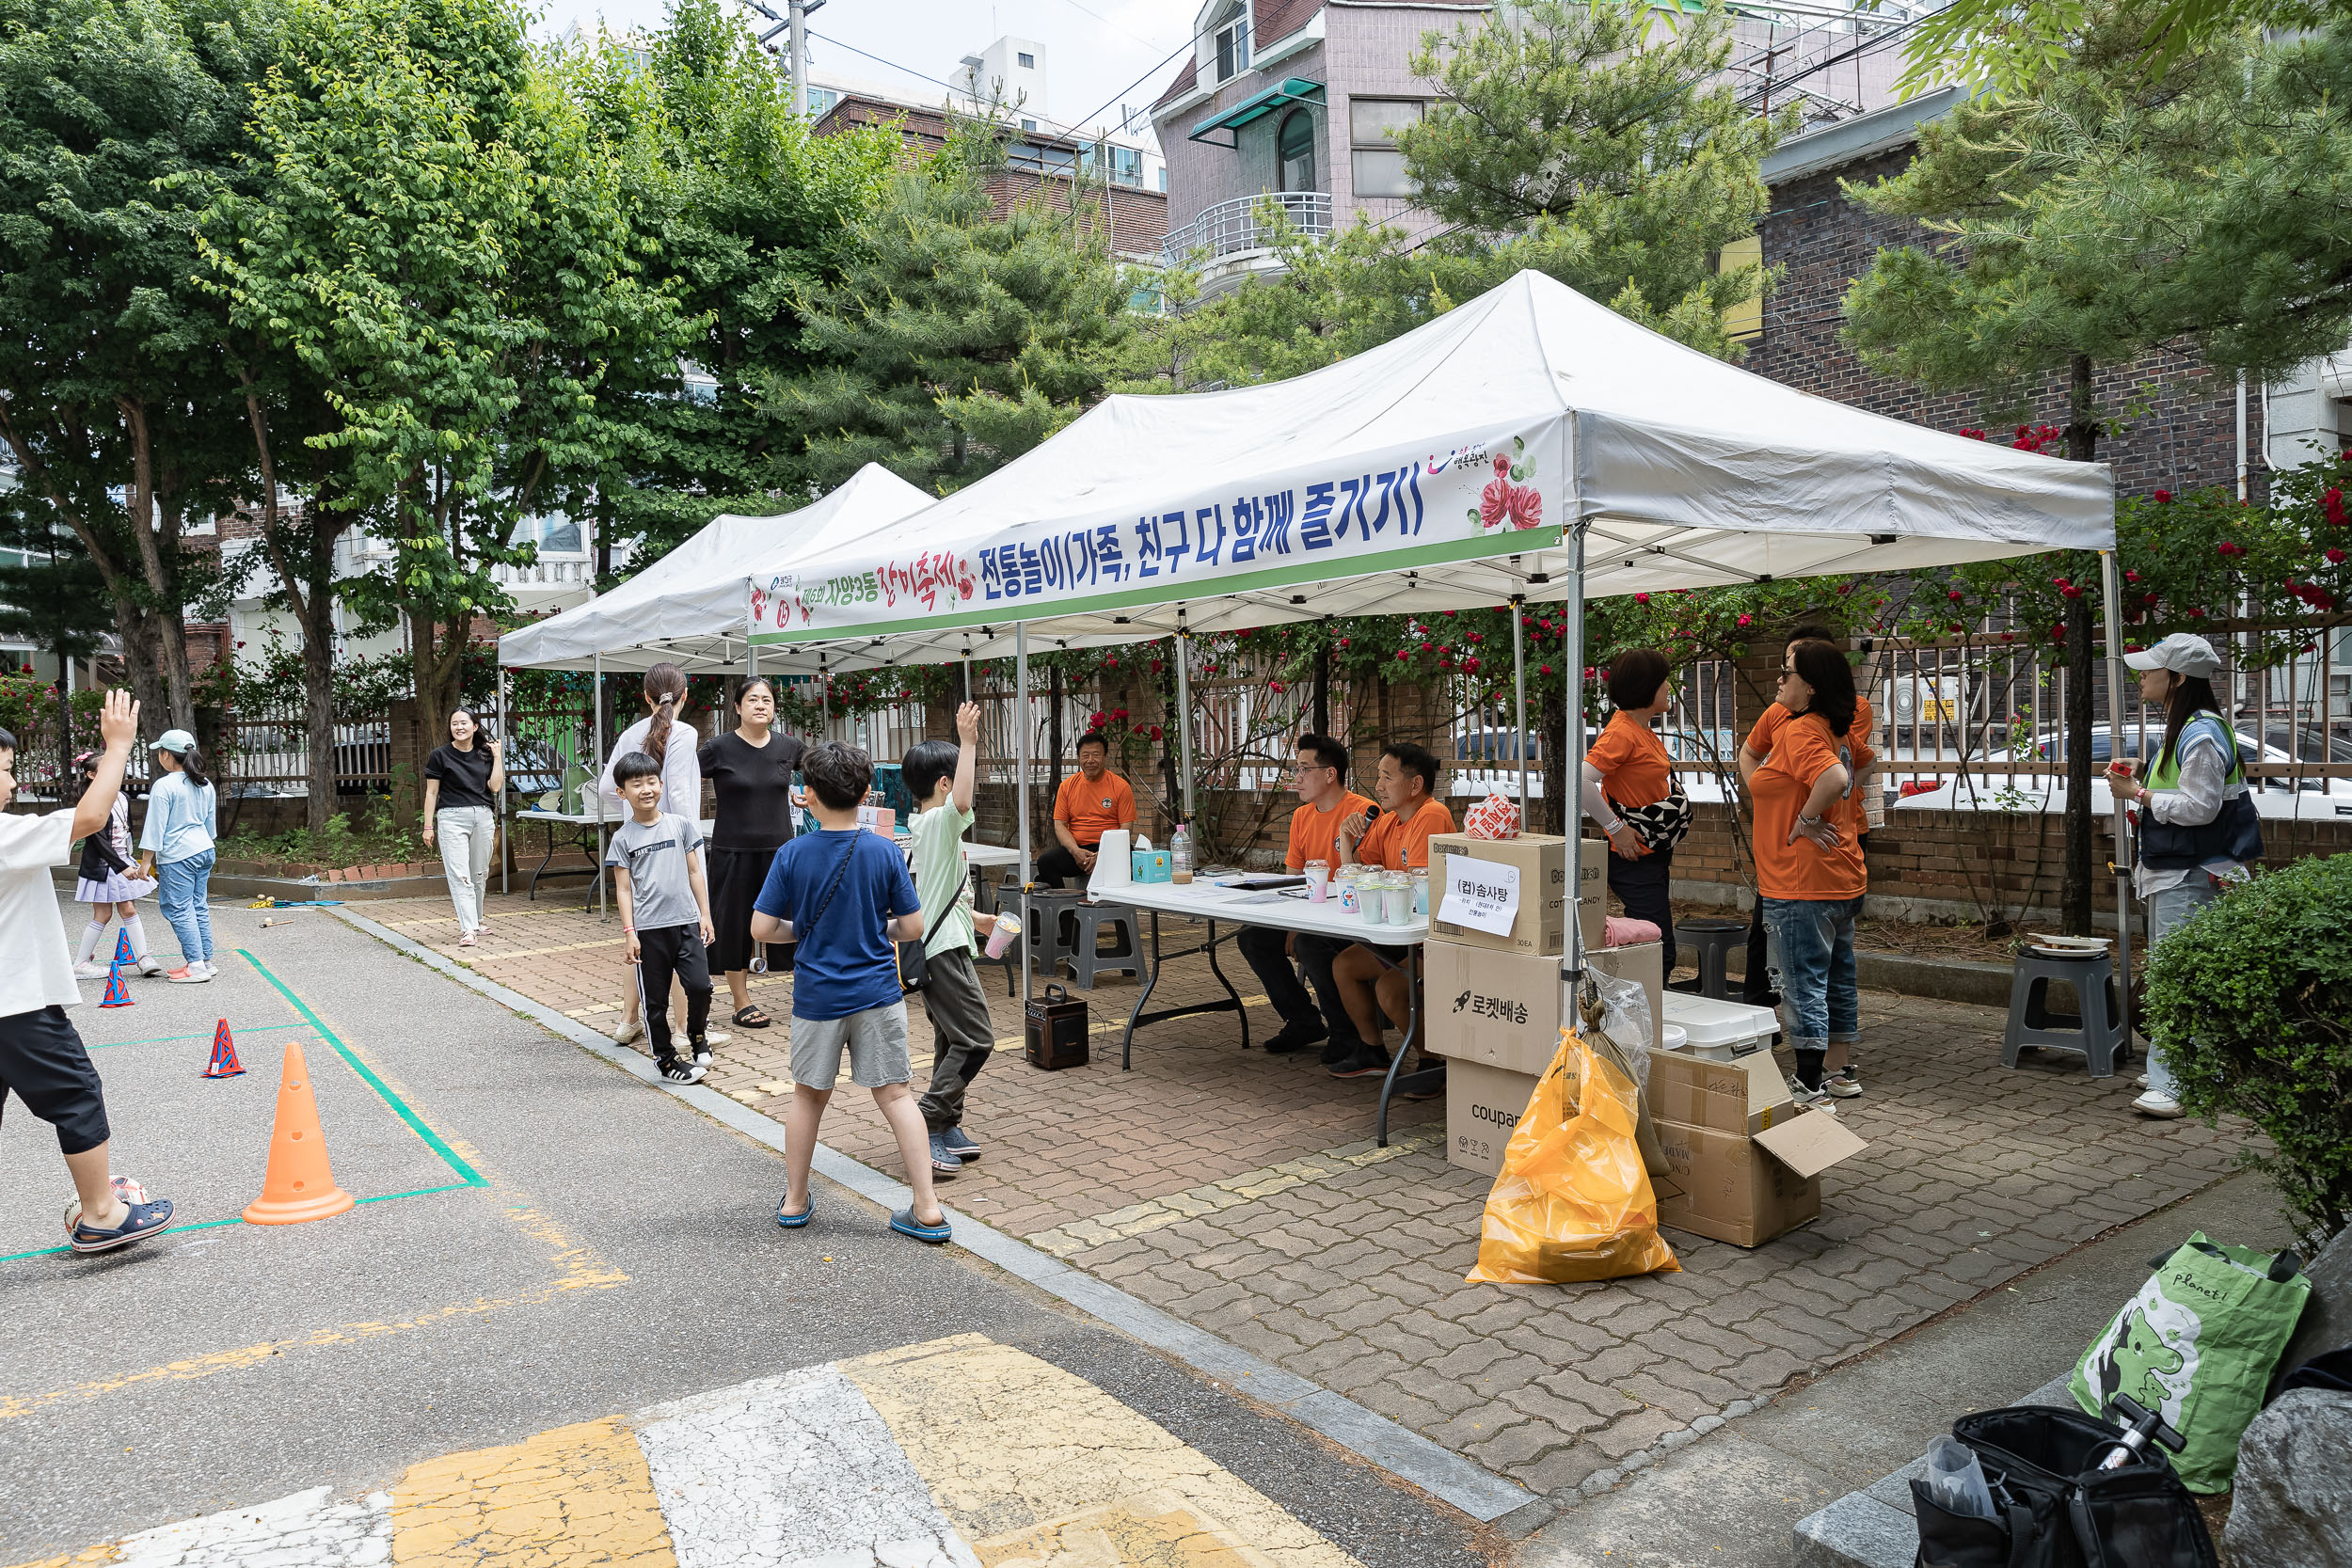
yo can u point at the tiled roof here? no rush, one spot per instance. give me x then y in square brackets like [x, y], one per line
[1182, 84]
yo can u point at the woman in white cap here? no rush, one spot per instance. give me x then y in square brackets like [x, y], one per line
[176, 845]
[2197, 827]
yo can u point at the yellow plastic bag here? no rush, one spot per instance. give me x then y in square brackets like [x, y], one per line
[1573, 1202]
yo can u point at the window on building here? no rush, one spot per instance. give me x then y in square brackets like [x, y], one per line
[1376, 164]
[1029, 62]
[1029, 125]
[1231, 28]
[1745, 320]
[820, 99]
[1163, 182]
[1294, 151]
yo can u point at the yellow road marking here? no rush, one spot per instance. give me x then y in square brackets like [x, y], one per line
[1039, 1468]
[582, 1271]
[577, 1495]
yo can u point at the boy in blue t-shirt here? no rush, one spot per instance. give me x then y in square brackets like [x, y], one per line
[843, 895]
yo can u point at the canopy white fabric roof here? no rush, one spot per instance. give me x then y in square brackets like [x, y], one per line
[1371, 486]
[688, 607]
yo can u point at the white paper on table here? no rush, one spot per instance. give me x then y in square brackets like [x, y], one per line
[1481, 895]
[1114, 865]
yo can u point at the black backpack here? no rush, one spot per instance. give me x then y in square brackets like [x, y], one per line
[2058, 1509]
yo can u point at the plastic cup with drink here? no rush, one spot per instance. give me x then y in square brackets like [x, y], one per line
[1318, 881]
[1008, 927]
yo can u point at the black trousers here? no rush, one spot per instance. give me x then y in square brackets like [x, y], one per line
[1643, 886]
[663, 950]
[1057, 866]
[1756, 988]
[1314, 955]
[42, 1061]
[1264, 947]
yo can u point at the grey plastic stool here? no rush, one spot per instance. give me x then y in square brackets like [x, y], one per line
[1707, 941]
[1041, 914]
[1084, 955]
[2094, 1031]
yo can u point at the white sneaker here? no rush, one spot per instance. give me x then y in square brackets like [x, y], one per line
[151, 966]
[195, 975]
[631, 1032]
[2141, 1081]
[1842, 1083]
[1813, 1099]
[2161, 1107]
[90, 971]
[717, 1037]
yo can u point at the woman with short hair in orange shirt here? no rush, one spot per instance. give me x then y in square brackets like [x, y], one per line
[1629, 792]
[1809, 875]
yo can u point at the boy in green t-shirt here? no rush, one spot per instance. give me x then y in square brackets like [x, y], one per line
[938, 773]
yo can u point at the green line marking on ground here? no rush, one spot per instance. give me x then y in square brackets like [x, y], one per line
[433, 1140]
[173, 1040]
[215, 1225]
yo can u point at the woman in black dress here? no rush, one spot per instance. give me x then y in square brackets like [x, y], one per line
[750, 770]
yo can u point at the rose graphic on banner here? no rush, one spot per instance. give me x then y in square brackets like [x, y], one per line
[1507, 502]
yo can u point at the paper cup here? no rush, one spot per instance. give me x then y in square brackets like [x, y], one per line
[1001, 938]
[1397, 900]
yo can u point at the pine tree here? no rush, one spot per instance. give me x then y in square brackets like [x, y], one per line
[958, 339]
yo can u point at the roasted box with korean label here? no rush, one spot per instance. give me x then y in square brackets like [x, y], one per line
[1509, 894]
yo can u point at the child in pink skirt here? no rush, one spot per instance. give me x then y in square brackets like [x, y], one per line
[108, 885]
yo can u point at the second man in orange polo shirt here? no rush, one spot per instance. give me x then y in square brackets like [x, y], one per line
[1320, 778]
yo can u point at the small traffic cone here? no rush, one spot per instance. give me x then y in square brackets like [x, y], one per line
[225, 1063]
[118, 995]
[123, 945]
[297, 1185]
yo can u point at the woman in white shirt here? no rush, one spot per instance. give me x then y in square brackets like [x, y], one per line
[664, 736]
[177, 842]
[2198, 826]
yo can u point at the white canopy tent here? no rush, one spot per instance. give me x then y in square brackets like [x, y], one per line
[1530, 445]
[686, 608]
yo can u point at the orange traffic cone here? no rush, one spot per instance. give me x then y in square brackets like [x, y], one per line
[298, 1185]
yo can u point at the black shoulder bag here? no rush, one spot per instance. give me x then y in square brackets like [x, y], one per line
[2059, 1506]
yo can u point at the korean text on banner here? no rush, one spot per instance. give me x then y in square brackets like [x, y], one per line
[1346, 516]
[1481, 895]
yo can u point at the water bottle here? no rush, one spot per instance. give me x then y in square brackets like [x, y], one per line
[1956, 1480]
[1180, 853]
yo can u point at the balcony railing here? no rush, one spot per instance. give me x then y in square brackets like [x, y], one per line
[1240, 225]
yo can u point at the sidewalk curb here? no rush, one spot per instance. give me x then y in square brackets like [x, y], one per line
[1403, 1452]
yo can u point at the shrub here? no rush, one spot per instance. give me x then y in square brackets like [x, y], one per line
[2253, 999]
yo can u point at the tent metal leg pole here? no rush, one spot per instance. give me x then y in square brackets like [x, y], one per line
[2110, 594]
[824, 701]
[595, 764]
[967, 674]
[505, 740]
[1020, 785]
[1519, 701]
[1572, 968]
[1183, 711]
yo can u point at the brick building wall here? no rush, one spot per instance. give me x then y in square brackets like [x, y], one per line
[2184, 438]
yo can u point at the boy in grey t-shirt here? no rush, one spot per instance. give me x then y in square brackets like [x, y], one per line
[657, 875]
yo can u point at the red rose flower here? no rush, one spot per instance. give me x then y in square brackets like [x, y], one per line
[2335, 557]
[1953, 595]
[1638, 598]
[1543, 669]
[2162, 497]
[1527, 507]
[2332, 503]
[1494, 503]
[1502, 466]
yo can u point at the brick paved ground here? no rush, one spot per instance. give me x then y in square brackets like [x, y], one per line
[1243, 1193]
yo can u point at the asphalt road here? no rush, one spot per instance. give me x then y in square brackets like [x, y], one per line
[542, 1239]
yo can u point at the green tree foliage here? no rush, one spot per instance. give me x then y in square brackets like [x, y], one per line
[119, 120]
[2102, 215]
[957, 339]
[741, 211]
[1608, 134]
[2012, 48]
[443, 248]
[2252, 1000]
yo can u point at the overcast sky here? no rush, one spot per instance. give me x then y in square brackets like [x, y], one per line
[1096, 50]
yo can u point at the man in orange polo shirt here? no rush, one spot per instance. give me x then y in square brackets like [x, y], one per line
[1325, 802]
[1090, 803]
[1370, 979]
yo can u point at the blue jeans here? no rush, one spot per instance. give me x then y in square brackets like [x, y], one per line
[2166, 912]
[1810, 942]
[184, 890]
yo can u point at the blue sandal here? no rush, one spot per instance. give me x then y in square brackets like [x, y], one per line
[144, 1220]
[905, 1223]
[794, 1221]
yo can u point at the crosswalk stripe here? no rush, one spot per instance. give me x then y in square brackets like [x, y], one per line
[1035, 1465]
[802, 1466]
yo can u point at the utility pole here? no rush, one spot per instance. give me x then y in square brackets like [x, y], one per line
[794, 22]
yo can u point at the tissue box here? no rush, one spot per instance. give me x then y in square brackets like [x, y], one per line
[1495, 816]
[880, 820]
[1154, 866]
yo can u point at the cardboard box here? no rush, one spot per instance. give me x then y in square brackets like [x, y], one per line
[1591, 892]
[1503, 1009]
[1732, 1187]
[1747, 1096]
[1539, 927]
[1481, 1105]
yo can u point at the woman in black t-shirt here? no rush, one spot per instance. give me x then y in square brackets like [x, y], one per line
[749, 767]
[462, 781]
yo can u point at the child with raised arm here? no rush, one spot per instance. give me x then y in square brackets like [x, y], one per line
[844, 895]
[939, 773]
[658, 877]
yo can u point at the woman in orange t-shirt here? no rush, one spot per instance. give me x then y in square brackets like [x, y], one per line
[1628, 770]
[1809, 877]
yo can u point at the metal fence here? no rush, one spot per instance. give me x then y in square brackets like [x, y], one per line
[265, 750]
